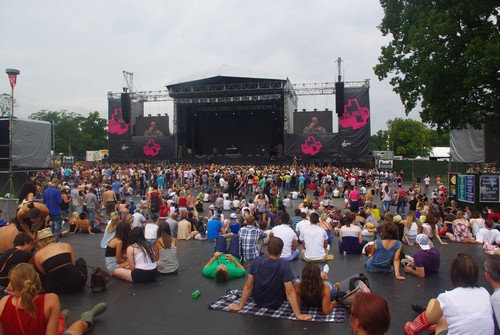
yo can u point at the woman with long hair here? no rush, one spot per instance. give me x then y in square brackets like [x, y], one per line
[313, 290]
[411, 228]
[28, 311]
[110, 230]
[141, 259]
[464, 310]
[165, 249]
[115, 254]
[369, 315]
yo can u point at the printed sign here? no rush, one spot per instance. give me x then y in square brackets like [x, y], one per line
[488, 189]
[465, 188]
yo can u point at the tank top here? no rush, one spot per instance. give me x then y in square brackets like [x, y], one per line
[30, 325]
[167, 260]
[315, 301]
[110, 252]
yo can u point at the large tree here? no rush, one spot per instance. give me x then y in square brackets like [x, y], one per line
[378, 141]
[409, 138]
[76, 132]
[444, 55]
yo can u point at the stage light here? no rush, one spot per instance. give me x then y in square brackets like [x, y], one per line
[326, 109]
[149, 115]
[158, 114]
[295, 109]
[303, 109]
[315, 109]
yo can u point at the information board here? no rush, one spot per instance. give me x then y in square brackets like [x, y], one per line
[465, 188]
[488, 189]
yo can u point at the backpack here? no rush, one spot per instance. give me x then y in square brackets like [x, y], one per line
[154, 206]
[351, 287]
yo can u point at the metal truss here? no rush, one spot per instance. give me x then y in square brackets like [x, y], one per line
[327, 88]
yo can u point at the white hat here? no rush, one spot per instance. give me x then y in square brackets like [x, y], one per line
[423, 241]
[233, 216]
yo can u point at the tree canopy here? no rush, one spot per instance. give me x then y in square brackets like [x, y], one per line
[409, 138]
[444, 55]
[76, 131]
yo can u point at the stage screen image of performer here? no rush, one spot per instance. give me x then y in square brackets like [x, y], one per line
[312, 122]
[154, 126]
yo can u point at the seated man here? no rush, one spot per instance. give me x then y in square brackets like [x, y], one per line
[215, 228]
[269, 280]
[289, 238]
[488, 233]
[21, 253]
[225, 264]
[492, 275]
[314, 242]
[249, 237]
[425, 261]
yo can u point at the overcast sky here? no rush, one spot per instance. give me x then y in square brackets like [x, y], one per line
[71, 53]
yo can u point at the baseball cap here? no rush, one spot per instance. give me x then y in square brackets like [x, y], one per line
[423, 241]
[233, 216]
[217, 216]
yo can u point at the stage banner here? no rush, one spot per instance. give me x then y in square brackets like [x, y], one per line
[117, 127]
[120, 149]
[153, 148]
[488, 188]
[312, 145]
[354, 123]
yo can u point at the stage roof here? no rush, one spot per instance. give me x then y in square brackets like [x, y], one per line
[227, 71]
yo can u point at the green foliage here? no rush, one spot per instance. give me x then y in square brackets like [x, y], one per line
[79, 132]
[409, 138]
[378, 141]
[444, 55]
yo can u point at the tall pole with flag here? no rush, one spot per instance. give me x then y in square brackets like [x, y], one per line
[12, 73]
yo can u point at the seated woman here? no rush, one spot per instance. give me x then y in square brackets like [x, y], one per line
[327, 226]
[370, 315]
[351, 239]
[165, 248]
[115, 254]
[461, 232]
[314, 291]
[225, 264]
[110, 230]
[141, 260]
[411, 228]
[82, 223]
[29, 311]
[463, 310]
[59, 269]
[431, 229]
[386, 252]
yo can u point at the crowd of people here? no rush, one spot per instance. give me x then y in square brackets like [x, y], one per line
[245, 211]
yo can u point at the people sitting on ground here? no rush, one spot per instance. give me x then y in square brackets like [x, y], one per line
[464, 310]
[385, 255]
[215, 228]
[314, 242]
[115, 254]
[165, 248]
[425, 261]
[488, 233]
[225, 263]
[431, 229]
[269, 281]
[59, 269]
[29, 311]
[20, 253]
[461, 232]
[492, 275]
[184, 227]
[350, 236]
[314, 290]
[138, 220]
[81, 223]
[325, 224]
[172, 221]
[287, 235]
[141, 260]
[369, 315]
[233, 223]
[31, 217]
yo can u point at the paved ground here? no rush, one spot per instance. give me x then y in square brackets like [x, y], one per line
[166, 306]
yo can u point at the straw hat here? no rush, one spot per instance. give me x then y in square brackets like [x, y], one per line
[44, 234]
[371, 227]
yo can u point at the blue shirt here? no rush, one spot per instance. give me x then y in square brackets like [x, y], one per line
[52, 199]
[116, 187]
[249, 237]
[213, 229]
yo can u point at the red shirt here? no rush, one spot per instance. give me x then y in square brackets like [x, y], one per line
[25, 324]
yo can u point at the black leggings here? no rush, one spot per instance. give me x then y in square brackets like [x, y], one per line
[143, 276]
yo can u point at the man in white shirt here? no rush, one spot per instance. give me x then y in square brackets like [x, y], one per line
[137, 218]
[315, 242]
[492, 275]
[302, 224]
[487, 233]
[289, 238]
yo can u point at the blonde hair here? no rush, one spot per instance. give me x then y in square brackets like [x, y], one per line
[115, 219]
[460, 215]
[410, 218]
[26, 282]
[74, 218]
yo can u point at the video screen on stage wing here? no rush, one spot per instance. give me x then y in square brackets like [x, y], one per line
[151, 126]
[312, 122]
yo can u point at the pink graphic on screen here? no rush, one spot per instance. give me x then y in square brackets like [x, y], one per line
[151, 148]
[311, 146]
[354, 116]
[116, 125]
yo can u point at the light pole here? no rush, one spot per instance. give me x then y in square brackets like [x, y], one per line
[12, 73]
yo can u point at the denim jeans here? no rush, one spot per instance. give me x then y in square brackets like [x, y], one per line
[92, 212]
[56, 224]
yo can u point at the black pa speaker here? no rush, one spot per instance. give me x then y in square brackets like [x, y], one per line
[339, 98]
[126, 107]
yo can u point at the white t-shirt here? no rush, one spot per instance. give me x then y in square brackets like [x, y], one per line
[467, 311]
[138, 220]
[287, 235]
[302, 225]
[495, 302]
[227, 205]
[150, 231]
[287, 203]
[491, 235]
[314, 239]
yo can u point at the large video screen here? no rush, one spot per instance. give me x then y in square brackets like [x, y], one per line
[151, 126]
[312, 122]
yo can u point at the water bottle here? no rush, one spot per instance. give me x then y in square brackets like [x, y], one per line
[195, 294]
